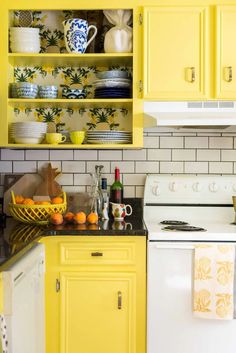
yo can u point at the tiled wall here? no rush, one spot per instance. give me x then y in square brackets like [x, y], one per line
[170, 152]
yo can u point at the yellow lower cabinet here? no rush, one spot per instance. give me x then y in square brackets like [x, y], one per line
[95, 294]
[97, 312]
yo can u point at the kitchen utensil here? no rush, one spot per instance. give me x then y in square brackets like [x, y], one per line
[23, 40]
[76, 33]
[49, 186]
[26, 90]
[111, 74]
[48, 92]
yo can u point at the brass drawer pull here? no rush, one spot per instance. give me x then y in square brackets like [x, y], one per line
[96, 253]
[229, 75]
[191, 74]
[119, 306]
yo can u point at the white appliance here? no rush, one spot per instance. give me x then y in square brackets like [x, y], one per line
[213, 114]
[23, 308]
[205, 202]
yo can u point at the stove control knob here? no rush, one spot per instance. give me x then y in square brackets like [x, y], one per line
[213, 187]
[197, 187]
[156, 190]
[173, 186]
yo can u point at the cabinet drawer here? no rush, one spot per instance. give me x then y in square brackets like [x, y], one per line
[95, 253]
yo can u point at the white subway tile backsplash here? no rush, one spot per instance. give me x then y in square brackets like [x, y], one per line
[73, 167]
[171, 142]
[147, 167]
[24, 167]
[129, 191]
[196, 167]
[85, 155]
[61, 155]
[134, 155]
[159, 154]
[183, 155]
[65, 179]
[164, 152]
[82, 179]
[125, 166]
[139, 191]
[196, 142]
[208, 155]
[91, 166]
[220, 142]
[228, 155]
[131, 179]
[54, 164]
[6, 167]
[110, 155]
[220, 167]
[171, 167]
[151, 142]
[37, 155]
[15, 155]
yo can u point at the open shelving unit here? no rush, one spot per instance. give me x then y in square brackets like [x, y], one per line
[51, 68]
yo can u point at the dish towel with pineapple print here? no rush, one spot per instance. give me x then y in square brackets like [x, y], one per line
[213, 292]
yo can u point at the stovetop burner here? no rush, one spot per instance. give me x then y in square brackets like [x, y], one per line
[184, 228]
[173, 223]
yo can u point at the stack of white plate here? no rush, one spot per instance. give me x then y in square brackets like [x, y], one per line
[108, 137]
[24, 40]
[28, 132]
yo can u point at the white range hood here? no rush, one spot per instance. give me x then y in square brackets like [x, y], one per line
[212, 114]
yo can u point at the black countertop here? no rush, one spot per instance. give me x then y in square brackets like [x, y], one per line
[17, 237]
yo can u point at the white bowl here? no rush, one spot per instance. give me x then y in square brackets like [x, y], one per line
[24, 30]
[28, 139]
[25, 49]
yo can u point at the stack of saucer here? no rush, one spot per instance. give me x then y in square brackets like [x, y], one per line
[24, 40]
[28, 132]
[108, 137]
[113, 84]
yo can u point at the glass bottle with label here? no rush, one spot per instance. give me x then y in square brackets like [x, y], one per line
[116, 192]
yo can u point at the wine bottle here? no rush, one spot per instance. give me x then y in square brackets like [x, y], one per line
[116, 192]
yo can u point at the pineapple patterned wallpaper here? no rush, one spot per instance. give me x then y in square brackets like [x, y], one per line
[76, 116]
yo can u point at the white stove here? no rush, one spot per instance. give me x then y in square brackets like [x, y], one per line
[200, 201]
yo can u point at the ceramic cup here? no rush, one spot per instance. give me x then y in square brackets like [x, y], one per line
[77, 137]
[54, 138]
[76, 32]
[119, 211]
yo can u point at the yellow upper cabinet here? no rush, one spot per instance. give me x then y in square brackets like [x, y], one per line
[225, 52]
[175, 52]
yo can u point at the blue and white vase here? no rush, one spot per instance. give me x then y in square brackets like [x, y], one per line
[76, 32]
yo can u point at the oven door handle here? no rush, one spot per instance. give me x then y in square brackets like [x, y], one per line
[174, 246]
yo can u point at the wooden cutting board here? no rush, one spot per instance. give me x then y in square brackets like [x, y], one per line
[25, 186]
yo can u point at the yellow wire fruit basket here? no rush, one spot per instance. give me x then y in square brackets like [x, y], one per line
[35, 214]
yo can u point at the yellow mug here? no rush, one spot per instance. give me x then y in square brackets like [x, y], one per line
[54, 138]
[77, 137]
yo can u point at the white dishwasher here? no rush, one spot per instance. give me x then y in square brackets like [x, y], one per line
[23, 303]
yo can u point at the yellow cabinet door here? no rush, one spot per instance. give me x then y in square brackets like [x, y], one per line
[97, 312]
[175, 52]
[226, 52]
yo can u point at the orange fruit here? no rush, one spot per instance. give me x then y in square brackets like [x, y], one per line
[57, 200]
[92, 218]
[19, 199]
[42, 202]
[28, 201]
[80, 218]
[69, 217]
[56, 218]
